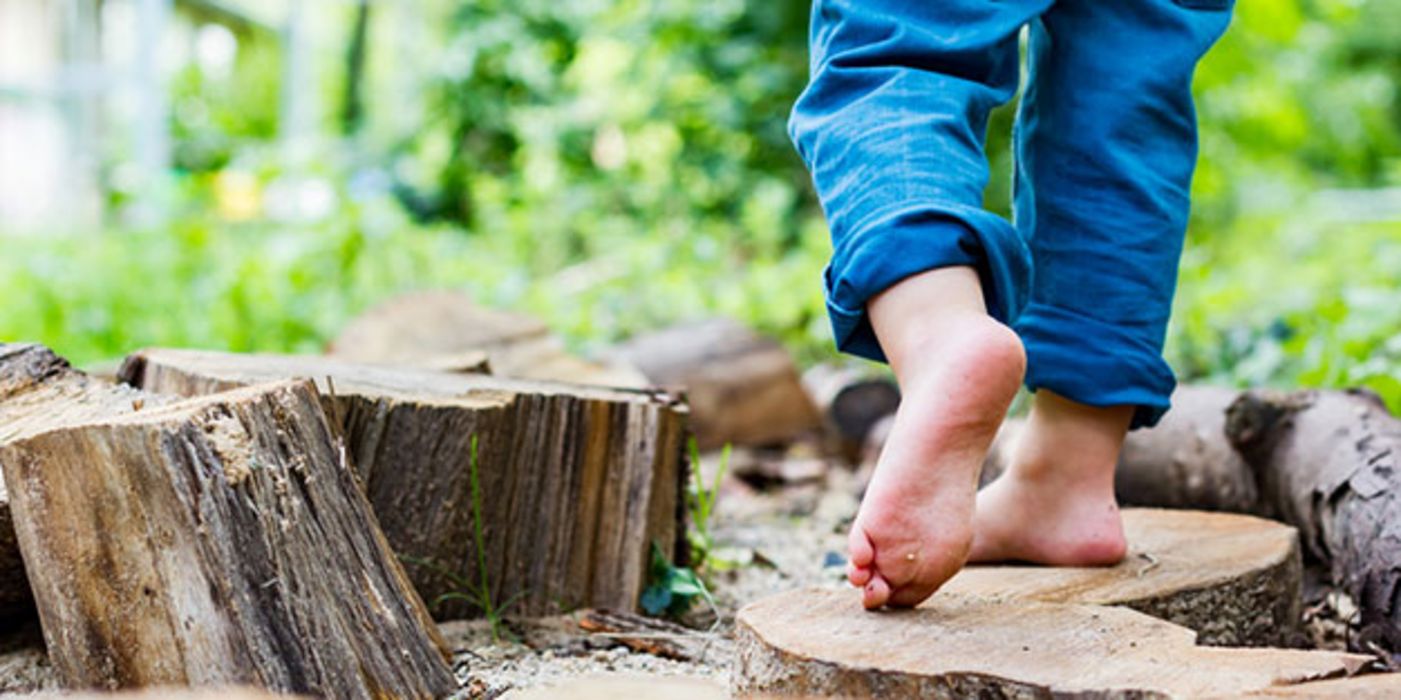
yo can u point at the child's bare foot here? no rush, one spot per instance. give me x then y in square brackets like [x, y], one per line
[958, 370]
[1055, 503]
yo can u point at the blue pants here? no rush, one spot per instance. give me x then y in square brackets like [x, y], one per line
[892, 127]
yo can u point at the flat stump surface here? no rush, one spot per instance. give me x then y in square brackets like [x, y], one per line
[820, 642]
[1234, 579]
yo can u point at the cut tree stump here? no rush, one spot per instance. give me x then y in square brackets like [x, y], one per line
[214, 541]
[442, 329]
[576, 482]
[821, 642]
[1234, 579]
[1326, 462]
[743, 388]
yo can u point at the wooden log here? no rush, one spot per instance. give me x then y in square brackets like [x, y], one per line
[1234, 579]
[821, 642]
[851, 403]
[1183, 462]
[576, 483]
[227, 693]
[437, 329]
[742, 388]
[1329, 463]
[214, 541]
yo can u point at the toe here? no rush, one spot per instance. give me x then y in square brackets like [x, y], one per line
[858, 575]
[910, 596]
[876, 592]
[859, 549]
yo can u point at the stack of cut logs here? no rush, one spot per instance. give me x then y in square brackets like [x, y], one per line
[298, 523]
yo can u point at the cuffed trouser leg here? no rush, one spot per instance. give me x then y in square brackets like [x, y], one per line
[892, 128]
[1106, 146]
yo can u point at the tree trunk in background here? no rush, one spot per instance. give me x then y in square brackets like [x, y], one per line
[353, 109]
[216, 541]
[577, 482]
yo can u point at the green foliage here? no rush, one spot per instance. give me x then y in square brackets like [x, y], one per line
[671, 590]
[615, 165]
[700, 504]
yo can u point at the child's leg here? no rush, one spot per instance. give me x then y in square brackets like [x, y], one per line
[892, 128]
[1106, 147]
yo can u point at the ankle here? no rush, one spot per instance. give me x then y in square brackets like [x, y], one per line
[1070, 446]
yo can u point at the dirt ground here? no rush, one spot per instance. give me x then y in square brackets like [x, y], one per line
[785, 536]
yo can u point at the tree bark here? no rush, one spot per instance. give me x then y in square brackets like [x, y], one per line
[576, 483]
[821, 643]
[1327, 463]
[217, 541]
[742, 388]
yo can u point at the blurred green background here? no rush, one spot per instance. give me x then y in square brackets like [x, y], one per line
[265, 170]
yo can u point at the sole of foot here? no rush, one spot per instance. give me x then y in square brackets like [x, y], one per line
[914, 529]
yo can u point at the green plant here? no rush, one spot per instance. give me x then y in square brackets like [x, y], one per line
[476, 593]
[701, 506]
[671, 589]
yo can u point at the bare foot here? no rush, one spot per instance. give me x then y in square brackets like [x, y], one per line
[958, 370]
[1055, 503]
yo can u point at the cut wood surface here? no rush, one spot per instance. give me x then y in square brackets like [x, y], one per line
[1375, 686]
[743, 388]
[214, 541]
[576, 482]
[437, 329]
[1234, 579]
[821, 642]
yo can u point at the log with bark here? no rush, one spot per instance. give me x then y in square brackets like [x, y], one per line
[820, 642]
[743, 388]
[851, 403]
[213, 541]
[441, 329]
[575, 484]
[1233, 579]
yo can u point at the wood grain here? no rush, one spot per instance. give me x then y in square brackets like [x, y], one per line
[578, 482]
[209, 542]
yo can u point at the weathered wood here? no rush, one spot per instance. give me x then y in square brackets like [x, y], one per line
[229, 693]
[434, 329]
[1375, 686]
[1234, 579]
[212, 541]
[1329, 463]
[821, 642]
[742, 388]
[651, 635]
[576, 482]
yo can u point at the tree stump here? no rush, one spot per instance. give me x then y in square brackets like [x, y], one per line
[820, 642]
[1234, 579]
[742, 388]
[215, 541]
[576, 483]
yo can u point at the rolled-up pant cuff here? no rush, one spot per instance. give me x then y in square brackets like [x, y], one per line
[1096, 363]
[914, 241]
